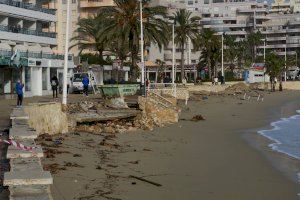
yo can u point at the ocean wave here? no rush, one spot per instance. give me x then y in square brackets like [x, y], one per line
[285, 134]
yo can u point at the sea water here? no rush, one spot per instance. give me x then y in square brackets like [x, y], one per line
[285, 135]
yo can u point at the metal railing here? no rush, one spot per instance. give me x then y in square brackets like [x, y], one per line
[20, 30]
[28, 54]
[28, 6]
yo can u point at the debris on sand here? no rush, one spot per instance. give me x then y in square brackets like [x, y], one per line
[77, 155]
[197, 118]
[238, 88]
[134, 162]
[145, 180]
[70, 164]
[53, 168]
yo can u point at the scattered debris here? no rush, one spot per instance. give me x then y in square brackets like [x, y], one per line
[197, 118]
[134, 162]
[53, 168]
[145, 180]
[70, 164]
[77, 155]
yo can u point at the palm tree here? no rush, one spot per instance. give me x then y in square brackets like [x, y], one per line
[254, 39]
[275, 67]
[230, 51]
[88, 35]
[124, 19]
[186, 28]
[210, 45]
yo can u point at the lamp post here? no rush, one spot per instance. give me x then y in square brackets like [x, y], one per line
[173, 58]
[222, 53]
[64, 96]
[142, 49]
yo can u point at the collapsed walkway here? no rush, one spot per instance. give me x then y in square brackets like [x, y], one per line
[26, 179]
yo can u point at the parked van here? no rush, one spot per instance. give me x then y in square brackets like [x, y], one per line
[77, 85]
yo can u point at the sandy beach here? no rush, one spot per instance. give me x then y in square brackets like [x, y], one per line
[220, 158]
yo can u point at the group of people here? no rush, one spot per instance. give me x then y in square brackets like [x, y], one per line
[19, 88]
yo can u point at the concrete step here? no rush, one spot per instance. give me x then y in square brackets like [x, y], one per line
[24, 164]
[35, 192]
[19, 122]
[18, 113]
[13, 152]
[27, 177]
[18, 132]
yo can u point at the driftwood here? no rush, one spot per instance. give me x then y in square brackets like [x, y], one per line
[145, 180]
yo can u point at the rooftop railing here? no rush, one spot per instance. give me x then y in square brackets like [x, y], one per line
[28, 6]
[28, 54]
[15, 29]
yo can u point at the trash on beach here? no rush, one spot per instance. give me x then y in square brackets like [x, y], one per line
[145, 180]
[77, 155]
[134, 162]
[197, 118]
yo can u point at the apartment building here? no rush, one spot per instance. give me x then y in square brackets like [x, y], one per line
[165, 55]
[279, 23]
[28, 40]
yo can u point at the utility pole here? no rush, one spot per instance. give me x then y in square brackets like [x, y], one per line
[66, 59]
[222, 54]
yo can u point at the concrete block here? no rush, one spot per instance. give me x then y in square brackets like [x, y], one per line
[13, 152]
[35, 192]
[27, 177]
[22, 133]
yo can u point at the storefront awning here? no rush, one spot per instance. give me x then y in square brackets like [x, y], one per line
[5, 46]
[47, 50]
[21, 47]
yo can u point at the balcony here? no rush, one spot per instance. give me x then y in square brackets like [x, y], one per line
[26, 35]
[95, 3]
[26, 54]
[26, 10]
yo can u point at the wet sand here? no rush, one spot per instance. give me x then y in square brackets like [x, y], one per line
[219, 158]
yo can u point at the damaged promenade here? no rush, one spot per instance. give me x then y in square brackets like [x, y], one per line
[92, 150]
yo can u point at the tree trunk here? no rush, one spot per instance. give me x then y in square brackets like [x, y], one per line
[182, 61]
[280, 84]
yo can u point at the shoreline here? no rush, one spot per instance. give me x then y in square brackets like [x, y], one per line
[208, 159]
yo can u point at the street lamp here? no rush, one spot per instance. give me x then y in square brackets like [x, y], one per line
[64, 96]
[222, 53]
[173, 58]
[142, 49]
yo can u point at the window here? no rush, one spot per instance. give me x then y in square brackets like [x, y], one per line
[64, 25]
[44, 78]
[73, 25]
[64, 1]
[64, 13]
[27, 79]
[73, 1]
[73, 13]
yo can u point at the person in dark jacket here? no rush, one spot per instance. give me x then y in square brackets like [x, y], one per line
[19, 91]
[54, 84]
[86, 82]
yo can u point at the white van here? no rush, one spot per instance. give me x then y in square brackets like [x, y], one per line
[77, 85]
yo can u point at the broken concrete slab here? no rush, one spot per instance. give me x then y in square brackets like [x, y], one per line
[18, 132]
[35, 192]
[104, 116]
[27, 177]
[13, 152]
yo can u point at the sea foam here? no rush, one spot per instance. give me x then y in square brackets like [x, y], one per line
[286, 136]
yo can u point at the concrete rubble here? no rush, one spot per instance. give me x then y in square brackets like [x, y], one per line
[26, 178]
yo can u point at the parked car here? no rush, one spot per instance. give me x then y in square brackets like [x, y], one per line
[293, 74]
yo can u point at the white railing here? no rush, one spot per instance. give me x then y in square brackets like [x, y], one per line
[163, 88]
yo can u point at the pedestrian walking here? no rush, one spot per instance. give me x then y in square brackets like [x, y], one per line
[19, 91]
[54, 84]
[85, 82]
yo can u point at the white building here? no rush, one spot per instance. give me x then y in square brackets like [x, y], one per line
[28, 27]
